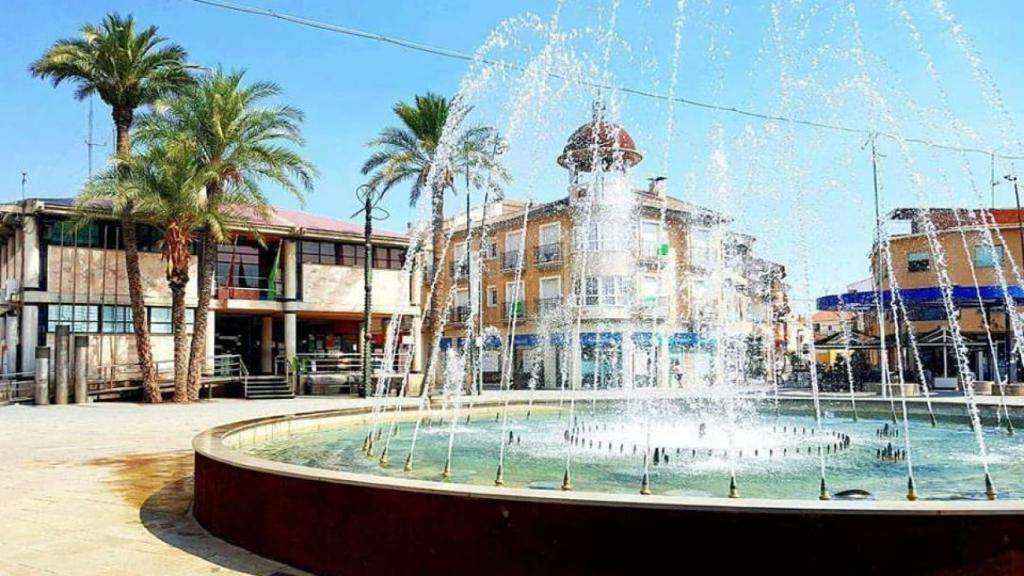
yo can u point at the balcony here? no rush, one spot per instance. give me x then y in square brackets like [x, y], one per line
[249, 287]
[509, 308]
[548, 254]
[460, 268]
[651, 253]
[511, 260]
[546, 306]
[459, 314]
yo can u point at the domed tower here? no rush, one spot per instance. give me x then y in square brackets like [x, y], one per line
[601, 144]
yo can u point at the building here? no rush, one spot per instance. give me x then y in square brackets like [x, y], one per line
[979, 251]
[646, 280]
[287, 285]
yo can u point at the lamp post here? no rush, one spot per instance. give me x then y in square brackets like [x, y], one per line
[369, 197]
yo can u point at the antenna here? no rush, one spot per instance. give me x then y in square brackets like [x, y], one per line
[89, 144]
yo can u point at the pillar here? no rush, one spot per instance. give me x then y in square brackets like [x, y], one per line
[29, 322]
[1010, 357]
[11, 336]
[61, 364]
[290, 277]
[211, 349]
[30, 251]
[267, 345]
[628, 368]
[41, 389]
[665, 376]
[289, 342]
[81, 365]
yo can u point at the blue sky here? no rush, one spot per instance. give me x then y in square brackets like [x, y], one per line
[728, 54]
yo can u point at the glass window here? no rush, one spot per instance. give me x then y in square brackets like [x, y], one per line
[988, 256]
[550, 234]
[80, 318]
[492, 296]
[117, 320]
[917, 262]
[160, 321]
[388, 258]
[352, 255]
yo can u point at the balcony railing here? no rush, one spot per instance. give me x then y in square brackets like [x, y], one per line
[510, 308]
[459, 314]
[650, 252]
[547, 305]
[249, 288]
[548, 254]
[460, 268]
[510, 260]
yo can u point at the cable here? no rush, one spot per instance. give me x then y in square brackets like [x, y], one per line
[465, 57]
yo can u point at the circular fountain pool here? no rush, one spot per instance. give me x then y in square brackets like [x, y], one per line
[301, 490]
[691, 451]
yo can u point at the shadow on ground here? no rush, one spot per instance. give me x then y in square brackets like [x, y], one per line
[160, 486]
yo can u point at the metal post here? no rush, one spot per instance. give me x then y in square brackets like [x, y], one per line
[61, 364]
[41, 391]
[365, 387]
[81, 363]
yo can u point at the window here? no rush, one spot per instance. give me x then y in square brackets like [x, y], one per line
[550, 234]
[650, 239]
[917, 262]
[514, 242]
[117, 320]
[490, 249]
[388, 258]
[515, 295]
[238, 266]
[607, 291]
[78, 317]
[590, 292]
[649, 290]
[988, 256]
[319, 253]
[352, 255]
[492, 295]
[160, 321]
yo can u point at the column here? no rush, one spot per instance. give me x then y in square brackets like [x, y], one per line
[41, 390]
[267, 345]
[290, 277]
[30, 252]
[29, 337]
[61, 363]
[665, 376]
[289, 336]
[211, 331]
[81, 364]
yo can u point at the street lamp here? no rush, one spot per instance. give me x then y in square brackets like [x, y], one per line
[370, 198]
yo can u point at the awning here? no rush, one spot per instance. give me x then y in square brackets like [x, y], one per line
[962, 296]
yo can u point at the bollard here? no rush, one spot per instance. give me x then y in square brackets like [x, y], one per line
[60, 364]
[41, 391]
[81, 367]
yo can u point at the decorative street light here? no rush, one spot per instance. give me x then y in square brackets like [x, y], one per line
[370, 199]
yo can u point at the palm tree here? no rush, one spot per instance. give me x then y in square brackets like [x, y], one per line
[412, 153]
[238, 141]
[165, 188]
[128, 69]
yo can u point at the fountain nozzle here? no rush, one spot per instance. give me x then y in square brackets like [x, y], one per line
[566, 482]
[911, 489]
[990, 489]
[645, 485]
[384, 456]
[823, 493]
[447, 472]
[733, 491]
[408, 463]
[499, 478]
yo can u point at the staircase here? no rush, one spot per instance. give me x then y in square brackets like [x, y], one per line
[267, 387]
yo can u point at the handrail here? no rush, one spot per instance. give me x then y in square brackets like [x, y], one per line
[340, 362]
[15, 386]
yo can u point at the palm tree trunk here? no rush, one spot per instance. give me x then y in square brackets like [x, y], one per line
[433, 317]
[150, 387]
[180, 342]
[197, 353]
[143, 349]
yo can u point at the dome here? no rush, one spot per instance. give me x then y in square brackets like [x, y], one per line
[611, 141]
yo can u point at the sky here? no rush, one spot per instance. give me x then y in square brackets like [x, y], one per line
[805, 193]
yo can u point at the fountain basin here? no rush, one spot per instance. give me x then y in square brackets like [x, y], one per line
[339, 522]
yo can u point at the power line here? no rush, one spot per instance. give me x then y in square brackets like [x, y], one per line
[466, 57]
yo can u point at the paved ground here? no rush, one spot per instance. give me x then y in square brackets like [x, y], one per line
[106, 488]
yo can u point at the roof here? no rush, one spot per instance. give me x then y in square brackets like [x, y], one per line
[278, 217]
[830, 316]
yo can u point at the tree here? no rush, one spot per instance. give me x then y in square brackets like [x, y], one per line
[239, 142]
[413, 153]
[128, 69]
[165, 189]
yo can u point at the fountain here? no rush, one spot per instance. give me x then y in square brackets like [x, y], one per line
[649, 412]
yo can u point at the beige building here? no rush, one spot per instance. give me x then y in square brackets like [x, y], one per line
[978, 251]
[288, 285]
[641, 276]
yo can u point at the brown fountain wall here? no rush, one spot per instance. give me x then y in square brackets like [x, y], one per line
[336, 528]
